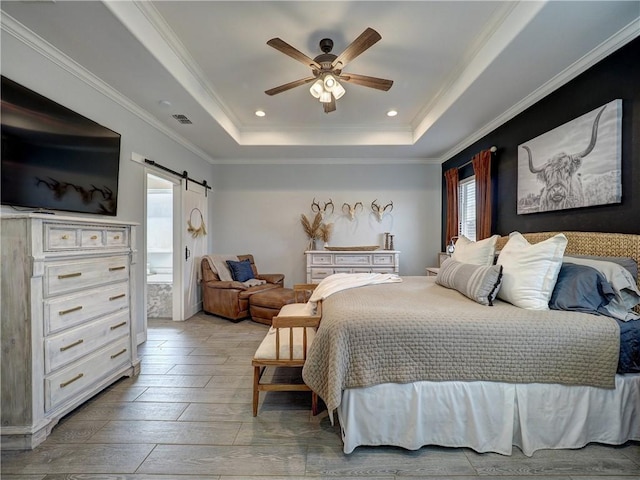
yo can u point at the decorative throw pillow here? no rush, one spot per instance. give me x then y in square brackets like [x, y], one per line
[530, 271]
[582, 289]
[480, 283]
[241, 271]
[623, 283]
[476, 253]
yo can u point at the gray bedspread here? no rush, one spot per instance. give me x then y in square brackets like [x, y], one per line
[417, 330]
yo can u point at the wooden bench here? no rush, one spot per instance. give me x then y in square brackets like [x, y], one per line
[286, 345]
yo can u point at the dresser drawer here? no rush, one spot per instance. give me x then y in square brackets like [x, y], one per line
[72, 344]
[70, 310]
[382, 270]
[82, 375]
[60, 237]
[91, 238]
[116, 237]
[69, 276]
[320, 259]
[320, 273]
[383, 259]
[353, 259]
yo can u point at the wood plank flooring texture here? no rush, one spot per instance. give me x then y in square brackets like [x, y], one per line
[187, 416]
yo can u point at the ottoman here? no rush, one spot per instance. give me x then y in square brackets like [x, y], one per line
[263, 306]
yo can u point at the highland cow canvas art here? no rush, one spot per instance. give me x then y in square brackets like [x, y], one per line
[575, 165]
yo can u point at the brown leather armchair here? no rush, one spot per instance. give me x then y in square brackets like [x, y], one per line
[231, 299]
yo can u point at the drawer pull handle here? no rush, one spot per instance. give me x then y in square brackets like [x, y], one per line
[116, 297]
[69, 275]
[71, 345]
[113, 269]
[94, 237]
[122, 324]
[118, 354]
[65, 237]
[116, 237]
[70, 310]
[69, 382]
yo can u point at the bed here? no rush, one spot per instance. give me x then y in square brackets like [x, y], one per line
[414, 363]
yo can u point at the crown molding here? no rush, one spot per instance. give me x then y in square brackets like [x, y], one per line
[21, 33]
[613, 43]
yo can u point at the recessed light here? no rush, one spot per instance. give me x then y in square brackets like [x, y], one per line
[260, 113]
[392, 113]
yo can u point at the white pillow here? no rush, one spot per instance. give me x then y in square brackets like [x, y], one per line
[529, 272]
[477, 253]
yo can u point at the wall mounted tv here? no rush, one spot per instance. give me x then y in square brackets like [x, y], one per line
[54, 158]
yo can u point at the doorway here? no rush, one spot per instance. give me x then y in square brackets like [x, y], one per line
[160, 247]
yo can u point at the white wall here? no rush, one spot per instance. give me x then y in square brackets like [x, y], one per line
[30, 68]
[257, 210]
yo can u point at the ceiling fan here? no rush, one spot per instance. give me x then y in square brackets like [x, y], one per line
[327, 69]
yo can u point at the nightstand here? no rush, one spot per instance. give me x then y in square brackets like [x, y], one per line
[442, 256]
[432, 271]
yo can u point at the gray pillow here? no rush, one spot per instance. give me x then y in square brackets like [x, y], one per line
[582, 289]
[478, 282]
[626, 262]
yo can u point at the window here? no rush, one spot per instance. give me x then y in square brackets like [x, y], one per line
[467, 208]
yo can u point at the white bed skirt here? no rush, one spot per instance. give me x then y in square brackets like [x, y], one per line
[490, 417]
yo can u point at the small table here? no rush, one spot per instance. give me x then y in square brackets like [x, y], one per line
[432, 271]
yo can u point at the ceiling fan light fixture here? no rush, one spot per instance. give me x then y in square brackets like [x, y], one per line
[329, 82]
[317, 88]
[325, 97]
[338, 91]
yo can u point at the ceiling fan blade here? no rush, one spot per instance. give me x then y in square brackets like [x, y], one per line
[359, 45]
[289, 86]
[294, 53]
[330, 106]
[365, 81]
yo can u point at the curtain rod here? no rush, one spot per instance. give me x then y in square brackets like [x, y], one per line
[184, 175]
[493, 149]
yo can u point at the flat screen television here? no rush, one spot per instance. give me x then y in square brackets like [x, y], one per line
[54, 158]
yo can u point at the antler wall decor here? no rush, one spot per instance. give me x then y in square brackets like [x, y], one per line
[378, 210]
[315, 207]
[351, 211]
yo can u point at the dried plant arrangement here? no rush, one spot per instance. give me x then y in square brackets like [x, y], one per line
[325, 232]
[312, 229]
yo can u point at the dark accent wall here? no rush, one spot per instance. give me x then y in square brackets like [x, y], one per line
[616, 76]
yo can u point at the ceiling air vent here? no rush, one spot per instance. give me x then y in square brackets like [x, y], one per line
[182, 119]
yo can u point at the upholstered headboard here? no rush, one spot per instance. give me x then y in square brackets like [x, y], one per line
[591, 243]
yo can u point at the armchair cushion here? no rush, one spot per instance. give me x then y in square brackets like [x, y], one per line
[241, 271]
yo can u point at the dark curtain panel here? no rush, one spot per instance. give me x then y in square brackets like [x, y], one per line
[451, 178]
[482, 170]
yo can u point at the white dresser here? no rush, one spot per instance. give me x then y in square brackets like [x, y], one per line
[66, 318]
[322, 263]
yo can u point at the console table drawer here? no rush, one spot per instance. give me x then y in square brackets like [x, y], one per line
[80, 376]
[353, 259]
[320, 273]
[71, 310]
[70, 345]
[63, 277]
[321, 259]
[385, 259]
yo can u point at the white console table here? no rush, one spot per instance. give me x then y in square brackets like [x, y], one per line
[322, 263]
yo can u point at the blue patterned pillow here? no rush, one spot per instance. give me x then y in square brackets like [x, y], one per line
[241, 271]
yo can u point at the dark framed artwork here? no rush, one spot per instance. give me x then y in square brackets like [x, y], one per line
[575, 165]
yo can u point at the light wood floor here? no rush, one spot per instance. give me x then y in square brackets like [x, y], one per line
[188, 417]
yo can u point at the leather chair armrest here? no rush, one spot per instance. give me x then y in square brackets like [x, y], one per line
[224, 285]
[276, 278]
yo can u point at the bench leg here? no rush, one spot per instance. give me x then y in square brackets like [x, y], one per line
[256, 392]
[314, 403]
